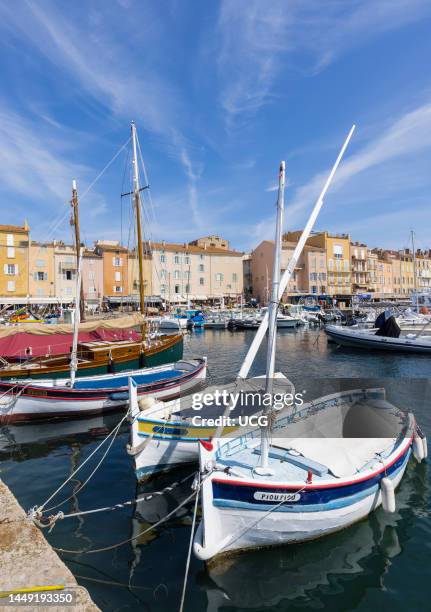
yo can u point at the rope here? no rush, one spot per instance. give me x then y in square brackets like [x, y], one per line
[114, 430]
[183, 595]
[139, 535]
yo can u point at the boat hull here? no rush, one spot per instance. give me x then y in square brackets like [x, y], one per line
[239, 522]
[169, 350]
[364, 340]
[32, 402]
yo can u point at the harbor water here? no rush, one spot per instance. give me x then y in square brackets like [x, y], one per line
[381, 562]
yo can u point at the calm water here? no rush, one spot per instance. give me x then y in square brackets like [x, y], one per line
[381, 562]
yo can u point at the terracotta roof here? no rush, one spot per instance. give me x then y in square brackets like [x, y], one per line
[111, 248]
[18, 229]
[191, 248]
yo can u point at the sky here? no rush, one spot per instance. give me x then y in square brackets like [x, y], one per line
[220, 91]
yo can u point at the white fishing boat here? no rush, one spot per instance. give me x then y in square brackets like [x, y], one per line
[308, 473]
[169, 323]
[166, 435]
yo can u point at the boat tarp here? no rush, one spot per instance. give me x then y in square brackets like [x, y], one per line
[42, 329]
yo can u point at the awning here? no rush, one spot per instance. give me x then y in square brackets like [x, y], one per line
[133, 299]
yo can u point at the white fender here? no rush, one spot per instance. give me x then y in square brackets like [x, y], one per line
[388, 494]
[146, 402]
[425, 447]
[418, 448]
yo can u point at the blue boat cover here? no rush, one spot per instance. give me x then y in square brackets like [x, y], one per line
[117, 382]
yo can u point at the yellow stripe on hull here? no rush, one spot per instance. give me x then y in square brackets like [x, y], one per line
[179, 430]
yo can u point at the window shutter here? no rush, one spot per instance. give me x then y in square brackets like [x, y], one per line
[16, 269]
[45, 276]
[113, 288]
[35, 276]
[5, 268]
[121, 261]
[113, 261]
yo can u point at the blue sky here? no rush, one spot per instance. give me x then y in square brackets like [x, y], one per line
[220, 92]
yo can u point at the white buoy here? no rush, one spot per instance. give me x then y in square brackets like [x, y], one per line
[388, 494]
[418, 448]
[425, 447]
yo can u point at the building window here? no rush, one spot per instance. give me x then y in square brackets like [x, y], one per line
[40, 263]
[219, 277]
[11, 252]
[187, 288]
[11, 285]
[162, 273]
[162, 288]
[177, 289]
[176, 259]
[177, 274]
[68, 275]
[118, 277]
[187, 274]
[186, 259]
[118, 289]
[40, 291]
[91, 275]
[234, 277]
[68, 291]
[117, 261]
[40, 276]
[91, 289]
[9, 240]
[11, 269]
[338, 251]
[201, 268]
[163, 258]
[202, 281]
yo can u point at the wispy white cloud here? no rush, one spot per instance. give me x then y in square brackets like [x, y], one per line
[406, 136]
[258, 41]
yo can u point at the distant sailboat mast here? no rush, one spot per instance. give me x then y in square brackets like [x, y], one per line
[137, 199]
[75, 223]
[414, 271]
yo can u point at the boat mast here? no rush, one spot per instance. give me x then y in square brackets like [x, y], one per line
[288, 273]
[137, 199]
[75, 222]
[76, 321]
[414, 271]
[263, 469]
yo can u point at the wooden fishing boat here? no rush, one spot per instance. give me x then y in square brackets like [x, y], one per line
[29, 400]
[95, 358]
[309, 473]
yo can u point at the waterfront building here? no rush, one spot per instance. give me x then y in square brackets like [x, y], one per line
[133, 276]
[197, 271]
[42, 288]
[309, 276]
[115, 270]
[65, 270]
[247, 275]
[92, 278]
[423, 270]
[337, 253]
[14, 262]
[359, 267]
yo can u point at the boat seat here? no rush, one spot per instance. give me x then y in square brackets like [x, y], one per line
[298, 460]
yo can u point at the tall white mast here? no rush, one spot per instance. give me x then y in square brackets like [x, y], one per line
[272, 318]
[76, 321]
[257, 340]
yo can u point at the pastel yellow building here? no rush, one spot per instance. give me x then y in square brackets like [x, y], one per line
[14, 262]
[41, 271]
[337, 250]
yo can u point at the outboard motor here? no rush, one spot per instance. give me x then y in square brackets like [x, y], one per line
[389, 328]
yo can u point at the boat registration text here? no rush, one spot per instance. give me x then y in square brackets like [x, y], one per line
[276, 497]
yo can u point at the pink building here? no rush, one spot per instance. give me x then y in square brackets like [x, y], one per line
[92, 278]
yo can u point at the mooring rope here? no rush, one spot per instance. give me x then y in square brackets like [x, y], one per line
[192, 532]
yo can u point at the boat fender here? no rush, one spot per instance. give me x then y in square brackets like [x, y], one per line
[425, 447]
[146, 402]
[418, 448]
[388, 494]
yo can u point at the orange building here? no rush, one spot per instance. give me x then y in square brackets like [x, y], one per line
[115, 268]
